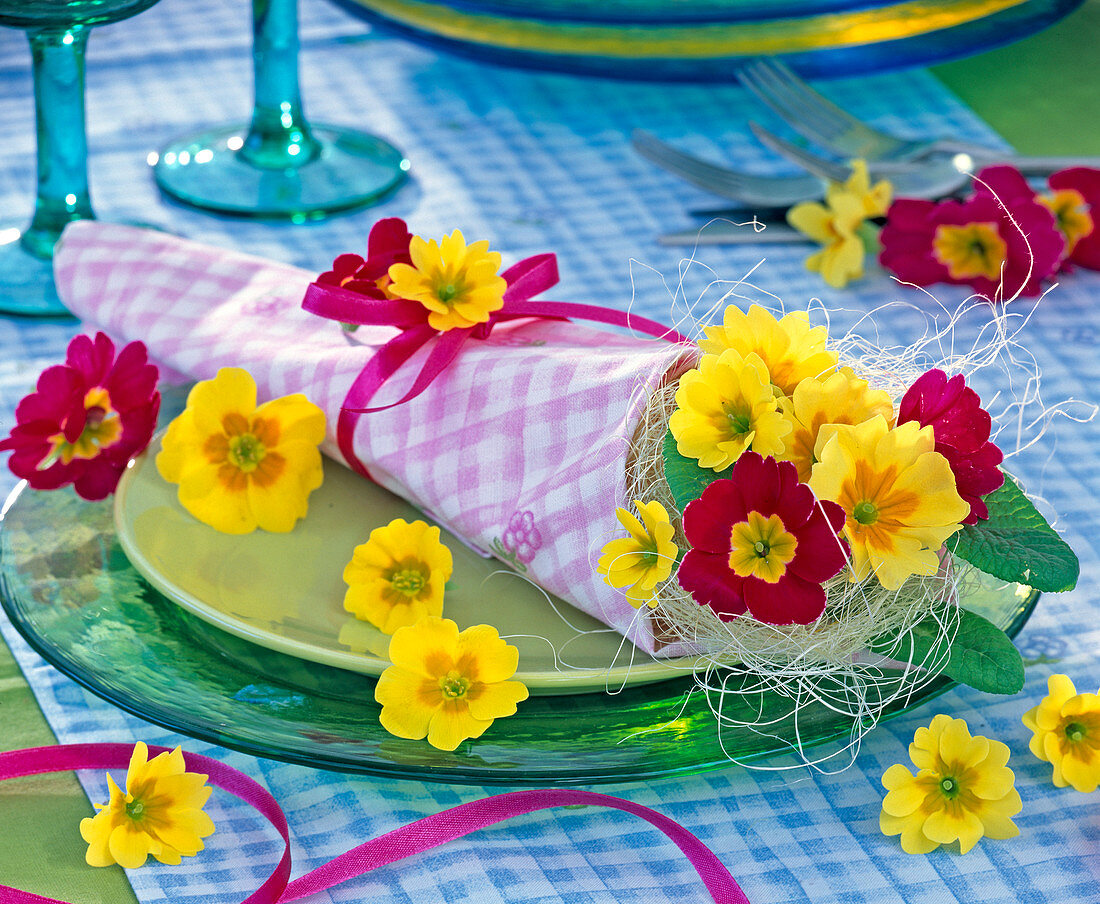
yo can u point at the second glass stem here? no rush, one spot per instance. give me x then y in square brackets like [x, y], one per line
[279, 137]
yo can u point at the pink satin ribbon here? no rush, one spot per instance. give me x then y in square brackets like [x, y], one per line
[525, 280]
[415, 838]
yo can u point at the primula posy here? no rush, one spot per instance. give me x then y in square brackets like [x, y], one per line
[761, 543]
[447, 685]
[1065, 730]
[644, 558]
[87, 418]
[963, 790]
[398, 576]
[240, 466]
[159, 814]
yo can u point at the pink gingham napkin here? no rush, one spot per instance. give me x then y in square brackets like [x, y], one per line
[520, 445]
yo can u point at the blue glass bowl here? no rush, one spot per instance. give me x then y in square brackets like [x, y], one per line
[704, 40]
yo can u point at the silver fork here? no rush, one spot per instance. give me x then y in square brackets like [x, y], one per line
[932, 179]
[822, 122]
[747, 188]
[936, 177]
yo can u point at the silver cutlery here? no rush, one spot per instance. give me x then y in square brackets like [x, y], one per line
[820, 121]
[935, 177]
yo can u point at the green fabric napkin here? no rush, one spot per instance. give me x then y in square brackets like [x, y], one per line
[42, 851]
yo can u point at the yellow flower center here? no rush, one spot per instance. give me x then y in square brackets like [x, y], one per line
[1071, 215]
[950, 787]
[1075, 732]
[975, 249]
[246, 452]
[409, 581]
[740, 420]
[135, 809]
[454, 685]
[102, 428]
[761, 547]
[865, 512]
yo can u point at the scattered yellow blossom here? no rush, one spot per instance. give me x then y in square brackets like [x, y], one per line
[159, 814]
[790, 348]
[835, 227]
[1066, 733]
[724, 407]
[838, 224]
[841, 398]
[963, 790]
[397, 577]
[456, 282]
[899, 495]
[240, 467]
[874, 200]
[445, 685]
[645, 558]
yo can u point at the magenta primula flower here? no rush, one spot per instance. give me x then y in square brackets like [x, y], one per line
[387, 244]
[87, 419]
[961, 427]
[1000, 251]
[762, 543]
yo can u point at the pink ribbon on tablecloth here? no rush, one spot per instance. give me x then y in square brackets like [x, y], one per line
[525, 280]
[414, 838]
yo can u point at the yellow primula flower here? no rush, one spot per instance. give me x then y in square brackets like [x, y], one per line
[456, 282]
[841, 398]
[445, 685]
[397, 577]
[838, 223]
[1066, 733]
[834, 226]
[790, 348]
[724, 407]
[899, 495]
[963, 790]
[642, 560]
[159, 814]
[240, 467]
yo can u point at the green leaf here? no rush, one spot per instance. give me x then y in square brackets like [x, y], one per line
[685, 478]
[1017, 544]
[981, 655]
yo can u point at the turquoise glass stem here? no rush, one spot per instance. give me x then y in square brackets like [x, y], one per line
[279, 136]
[58, 63]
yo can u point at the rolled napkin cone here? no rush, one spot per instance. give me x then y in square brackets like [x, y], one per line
[520, 445]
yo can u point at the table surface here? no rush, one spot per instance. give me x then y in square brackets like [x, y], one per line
[537, 162]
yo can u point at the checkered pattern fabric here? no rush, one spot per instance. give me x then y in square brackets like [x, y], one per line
[532, 423]
[541, 162]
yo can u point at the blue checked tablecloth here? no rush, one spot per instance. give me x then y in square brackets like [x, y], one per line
[540, 162]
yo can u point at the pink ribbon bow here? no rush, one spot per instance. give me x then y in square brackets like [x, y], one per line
[415, 838]
[525, 280]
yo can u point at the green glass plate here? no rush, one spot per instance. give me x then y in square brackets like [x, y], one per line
[71, 592]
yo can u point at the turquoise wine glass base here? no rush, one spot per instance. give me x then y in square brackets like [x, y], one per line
[26, 280]
[349, 169]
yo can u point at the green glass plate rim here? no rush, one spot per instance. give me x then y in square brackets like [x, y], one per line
[450, 769]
